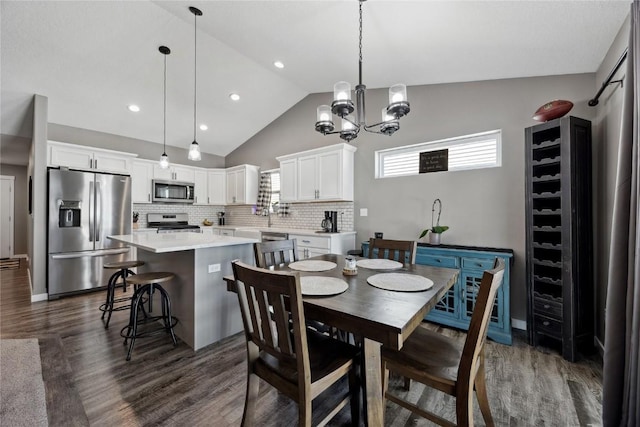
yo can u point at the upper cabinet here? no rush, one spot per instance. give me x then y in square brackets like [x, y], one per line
[242, 185]
[141, 176]
[88, 158]
[322, 174]
[216, 186]
[174, 173]
[201, 196]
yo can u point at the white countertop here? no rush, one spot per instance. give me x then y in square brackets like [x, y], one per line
[173, 242]
[298, 231]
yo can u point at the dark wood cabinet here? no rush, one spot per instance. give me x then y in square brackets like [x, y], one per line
[559, 234]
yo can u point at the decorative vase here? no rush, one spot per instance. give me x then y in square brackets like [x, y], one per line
[434, 238]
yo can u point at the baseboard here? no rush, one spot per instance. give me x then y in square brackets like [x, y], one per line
[518, 324]
[39, 297]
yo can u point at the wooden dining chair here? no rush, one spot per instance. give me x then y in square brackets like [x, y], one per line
[298, 362]
[399, 250]
[276, 252]
[442, 363]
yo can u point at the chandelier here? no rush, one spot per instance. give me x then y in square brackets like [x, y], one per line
[343, 107]
[164, 159]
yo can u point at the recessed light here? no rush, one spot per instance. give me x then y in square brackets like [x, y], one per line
[204, 127]
[278, 64]
[234, 96]
[134, 108]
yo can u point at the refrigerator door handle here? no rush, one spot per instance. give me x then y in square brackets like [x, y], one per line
[91, 211]
[98, 211]
[105, 252]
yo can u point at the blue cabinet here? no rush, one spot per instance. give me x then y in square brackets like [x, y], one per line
[456, 307]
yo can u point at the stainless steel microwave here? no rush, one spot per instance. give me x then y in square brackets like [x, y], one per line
[172, 191]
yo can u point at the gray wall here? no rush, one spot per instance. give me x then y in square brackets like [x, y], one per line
[21, 206]
[606, 139]
[483, 207]
[144, 149]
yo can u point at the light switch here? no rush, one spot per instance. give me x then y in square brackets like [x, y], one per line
[364, 211]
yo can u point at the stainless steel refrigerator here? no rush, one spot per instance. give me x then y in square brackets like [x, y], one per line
[85, 208]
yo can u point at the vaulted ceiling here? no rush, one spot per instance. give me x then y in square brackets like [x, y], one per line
[92, 59]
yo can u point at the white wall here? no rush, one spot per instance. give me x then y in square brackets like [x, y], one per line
[482, 207]
[38, 221]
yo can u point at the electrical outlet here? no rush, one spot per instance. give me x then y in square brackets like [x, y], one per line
[214, 267]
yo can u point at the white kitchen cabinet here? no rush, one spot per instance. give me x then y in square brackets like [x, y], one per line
[209, 231]
[242, 185]
[174, 173]
[141, 176]
[310, 246]
[216, 186]
[322, 174]
[288, 180]
[88, 158]
[200, 187]
[227, 232]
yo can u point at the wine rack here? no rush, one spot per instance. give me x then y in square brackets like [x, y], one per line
[558, 233]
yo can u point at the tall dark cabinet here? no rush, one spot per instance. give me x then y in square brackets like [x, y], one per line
[559, 234]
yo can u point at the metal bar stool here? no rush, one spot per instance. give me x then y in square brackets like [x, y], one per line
[123, 268]
[148, 283]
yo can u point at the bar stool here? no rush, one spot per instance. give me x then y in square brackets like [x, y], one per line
[148, 283]
[123, 268]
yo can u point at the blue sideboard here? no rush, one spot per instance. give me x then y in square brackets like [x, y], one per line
[456, 307]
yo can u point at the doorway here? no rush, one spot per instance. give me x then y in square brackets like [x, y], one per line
[6, 216]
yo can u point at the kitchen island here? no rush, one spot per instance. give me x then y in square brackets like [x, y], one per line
[207, 313]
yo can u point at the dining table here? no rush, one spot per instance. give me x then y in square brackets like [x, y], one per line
[379, 317]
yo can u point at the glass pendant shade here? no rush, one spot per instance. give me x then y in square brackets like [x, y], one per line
[342, 91]
[348, 131]
[194, 152]
[324, 123]
[164, 161]
[397, 93]
[390, 124]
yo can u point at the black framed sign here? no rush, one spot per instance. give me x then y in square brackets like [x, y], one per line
[434, 161]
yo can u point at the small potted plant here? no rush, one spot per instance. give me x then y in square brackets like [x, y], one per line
[436, 230]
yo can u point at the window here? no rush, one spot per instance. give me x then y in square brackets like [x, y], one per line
[481, 150]
[275, 188]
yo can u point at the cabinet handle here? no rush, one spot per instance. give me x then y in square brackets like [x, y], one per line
[208, 200]
[545, 323]
[95, 164]
[196, 199]
[306, 241]
[90, 163]
[149, 196]
[478, 264]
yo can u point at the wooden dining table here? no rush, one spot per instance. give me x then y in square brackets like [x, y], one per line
[380, 317]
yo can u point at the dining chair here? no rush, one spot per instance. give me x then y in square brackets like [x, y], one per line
[399, 250]
[275, 252]
[446, 365]
[298, 362]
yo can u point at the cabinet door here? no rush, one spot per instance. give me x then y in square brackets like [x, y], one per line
[288, 187]
[241, 189]
[470, 283]
[330, 175]
[70, 157]
[200, 190]
[225, 232]
[183, 173]
[141, 175]
[216, 187]
[164, 174]
[232, 177]
[111, 163]
[307, 177]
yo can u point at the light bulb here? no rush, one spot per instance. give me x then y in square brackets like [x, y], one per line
[194, 152]
[342, 91]
[164, 161]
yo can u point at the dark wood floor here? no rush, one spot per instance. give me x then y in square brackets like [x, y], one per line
[167, 385]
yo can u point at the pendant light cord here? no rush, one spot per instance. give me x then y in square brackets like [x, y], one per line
[360, 47]
[164, 131]
[195, 73]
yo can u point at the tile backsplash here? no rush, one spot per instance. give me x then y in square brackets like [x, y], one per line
[301, 215]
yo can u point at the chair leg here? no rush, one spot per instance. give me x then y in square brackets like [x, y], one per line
[253, 386]
[166, 313]
[481, 393]
[385, 385]
[354, 391]
[304, 413]
[134, 320]
[464, 407]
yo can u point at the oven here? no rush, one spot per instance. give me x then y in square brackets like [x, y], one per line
[171, 223]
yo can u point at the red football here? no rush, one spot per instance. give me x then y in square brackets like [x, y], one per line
[552, 110]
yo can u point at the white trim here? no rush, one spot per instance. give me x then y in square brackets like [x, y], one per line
[12, 222]
[518, 324]
[39, 297]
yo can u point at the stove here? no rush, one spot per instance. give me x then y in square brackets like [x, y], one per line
[171, 223]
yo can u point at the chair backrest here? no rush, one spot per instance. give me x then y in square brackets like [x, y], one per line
[268, 301]
[398, 250]
[477, 333]
[275, 252]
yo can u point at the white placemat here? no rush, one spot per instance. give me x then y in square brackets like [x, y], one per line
[312, 265]
[379, 264]
[320, 285]
[401, 282]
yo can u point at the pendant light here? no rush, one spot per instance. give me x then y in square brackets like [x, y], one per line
[164, 159]
[343, 106]
[194, 149]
